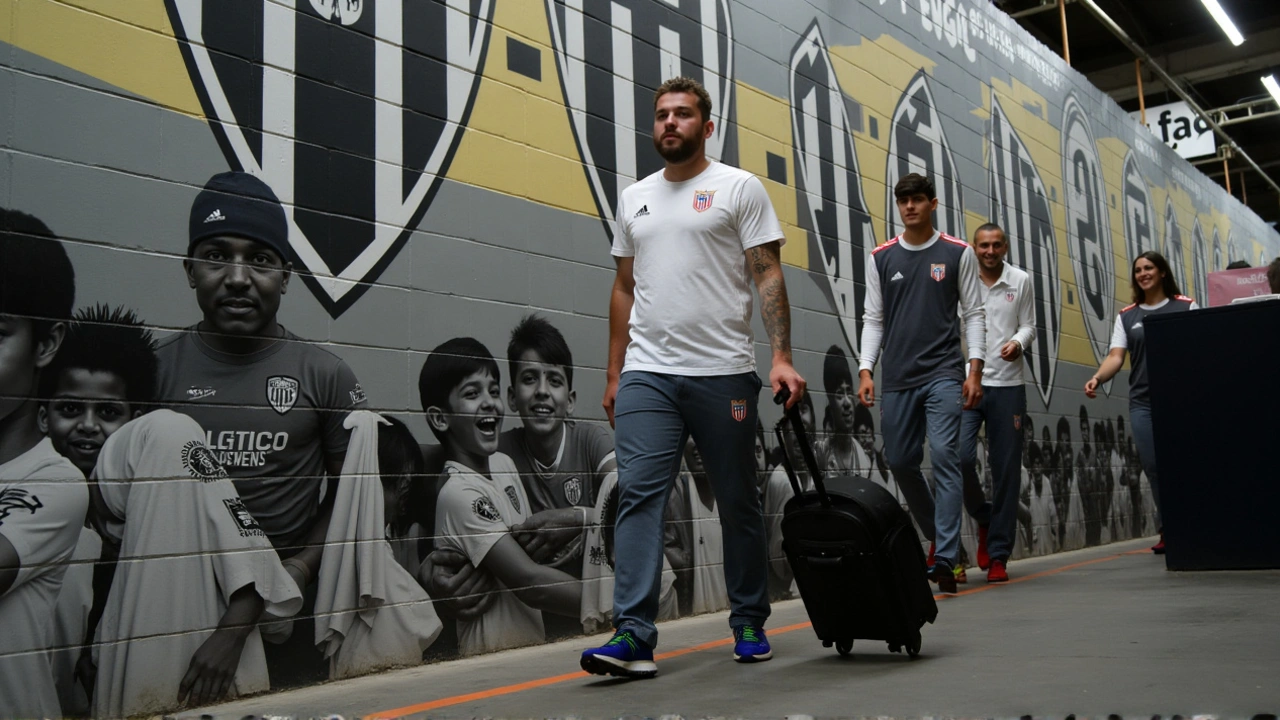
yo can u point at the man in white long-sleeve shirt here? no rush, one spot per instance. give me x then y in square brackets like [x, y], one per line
[1010, 307]
[916, 284]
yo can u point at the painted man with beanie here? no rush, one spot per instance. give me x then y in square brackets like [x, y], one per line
[839, 451]
[271, 404]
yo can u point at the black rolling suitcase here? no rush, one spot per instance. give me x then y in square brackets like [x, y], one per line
[855, 555]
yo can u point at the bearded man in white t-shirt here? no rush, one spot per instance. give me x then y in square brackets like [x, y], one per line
[690, 241]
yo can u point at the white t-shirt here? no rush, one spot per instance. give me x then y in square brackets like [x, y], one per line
[1118, 337]
[472, 514]
[43, 501]
[692, 311]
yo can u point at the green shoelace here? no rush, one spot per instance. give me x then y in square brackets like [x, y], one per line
[624, 637]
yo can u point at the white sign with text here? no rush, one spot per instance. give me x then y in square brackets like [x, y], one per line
[1181, 129]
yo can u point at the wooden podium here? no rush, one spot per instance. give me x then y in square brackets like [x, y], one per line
[1215, 407]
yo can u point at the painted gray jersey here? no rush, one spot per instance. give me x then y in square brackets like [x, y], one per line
[1136, 337]
[575, 480]
[921, 297]
[271, 418]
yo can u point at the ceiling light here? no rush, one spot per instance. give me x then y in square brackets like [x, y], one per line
[1224, 21]
[1272, 86]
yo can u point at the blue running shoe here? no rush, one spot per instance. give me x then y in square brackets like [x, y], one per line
[750, 644]
[623, 656]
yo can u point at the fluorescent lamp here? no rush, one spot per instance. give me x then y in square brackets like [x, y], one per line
[1269, 82]
[1224, 21]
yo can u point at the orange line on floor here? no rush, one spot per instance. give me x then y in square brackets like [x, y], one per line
[1044, 573]
[555, 679]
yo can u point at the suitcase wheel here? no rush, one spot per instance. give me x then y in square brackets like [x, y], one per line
[895, 648]
[913, 646]
[844, 647]
[827, 643]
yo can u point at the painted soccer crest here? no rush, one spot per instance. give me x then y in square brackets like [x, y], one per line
[1199, 263]
[1088, 226]
[917, 143]
[639, 45]
[828, 185]
[1139, 216]
[354, 149]
[1020, 204]
[1173, 244]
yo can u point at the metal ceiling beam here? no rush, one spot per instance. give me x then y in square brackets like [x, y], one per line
[1044, 6]
[1194, 65]
[1173, 85]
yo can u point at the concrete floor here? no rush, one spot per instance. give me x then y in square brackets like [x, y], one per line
[1095, 632]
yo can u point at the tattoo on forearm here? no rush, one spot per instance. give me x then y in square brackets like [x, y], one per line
[775, 311]
[760, 260]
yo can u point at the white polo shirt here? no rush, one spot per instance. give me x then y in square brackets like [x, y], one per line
[1010, 307]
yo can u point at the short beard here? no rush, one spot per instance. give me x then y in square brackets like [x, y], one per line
[682, 152]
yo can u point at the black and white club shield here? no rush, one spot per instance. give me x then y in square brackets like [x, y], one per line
[1173, 244]
[917, 143]
[1139, 213]
[351, 110]
[612, 56]
[1088, 226]
[1020, 205]
[1200, 263]
[828, 185]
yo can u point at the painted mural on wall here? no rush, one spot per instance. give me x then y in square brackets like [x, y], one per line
[275, 428]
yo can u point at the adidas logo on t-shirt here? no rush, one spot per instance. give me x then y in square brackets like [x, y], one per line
[896, 276]
[215, 216]
[644, 210]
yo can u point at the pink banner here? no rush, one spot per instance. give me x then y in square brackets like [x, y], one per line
[1227, 285]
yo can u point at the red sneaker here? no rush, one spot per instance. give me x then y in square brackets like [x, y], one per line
[997, 573]
[984, 560]
[1158, 548]
[929, 560]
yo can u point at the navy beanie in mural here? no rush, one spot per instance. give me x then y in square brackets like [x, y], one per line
[240, 205]
[835, 370]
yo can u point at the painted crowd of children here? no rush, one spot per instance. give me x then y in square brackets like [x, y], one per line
[216, 513]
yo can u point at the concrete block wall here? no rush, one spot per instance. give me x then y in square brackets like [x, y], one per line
[451, 166]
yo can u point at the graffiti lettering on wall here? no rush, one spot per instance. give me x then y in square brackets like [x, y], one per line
[1088, 225]
[828, 184]
[1020, 204]
[638, 46]
[1139, 218]
[918, 143]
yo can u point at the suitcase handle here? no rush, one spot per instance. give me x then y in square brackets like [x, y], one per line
[797, 426]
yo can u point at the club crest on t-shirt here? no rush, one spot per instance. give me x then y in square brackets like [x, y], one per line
[484, 509]
[573, 490]
[1010, 295]
[938, 271]
[513, 497]
[201, 463]
[245, 522]
[14, 499]
[282, 393]
[702, 199]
